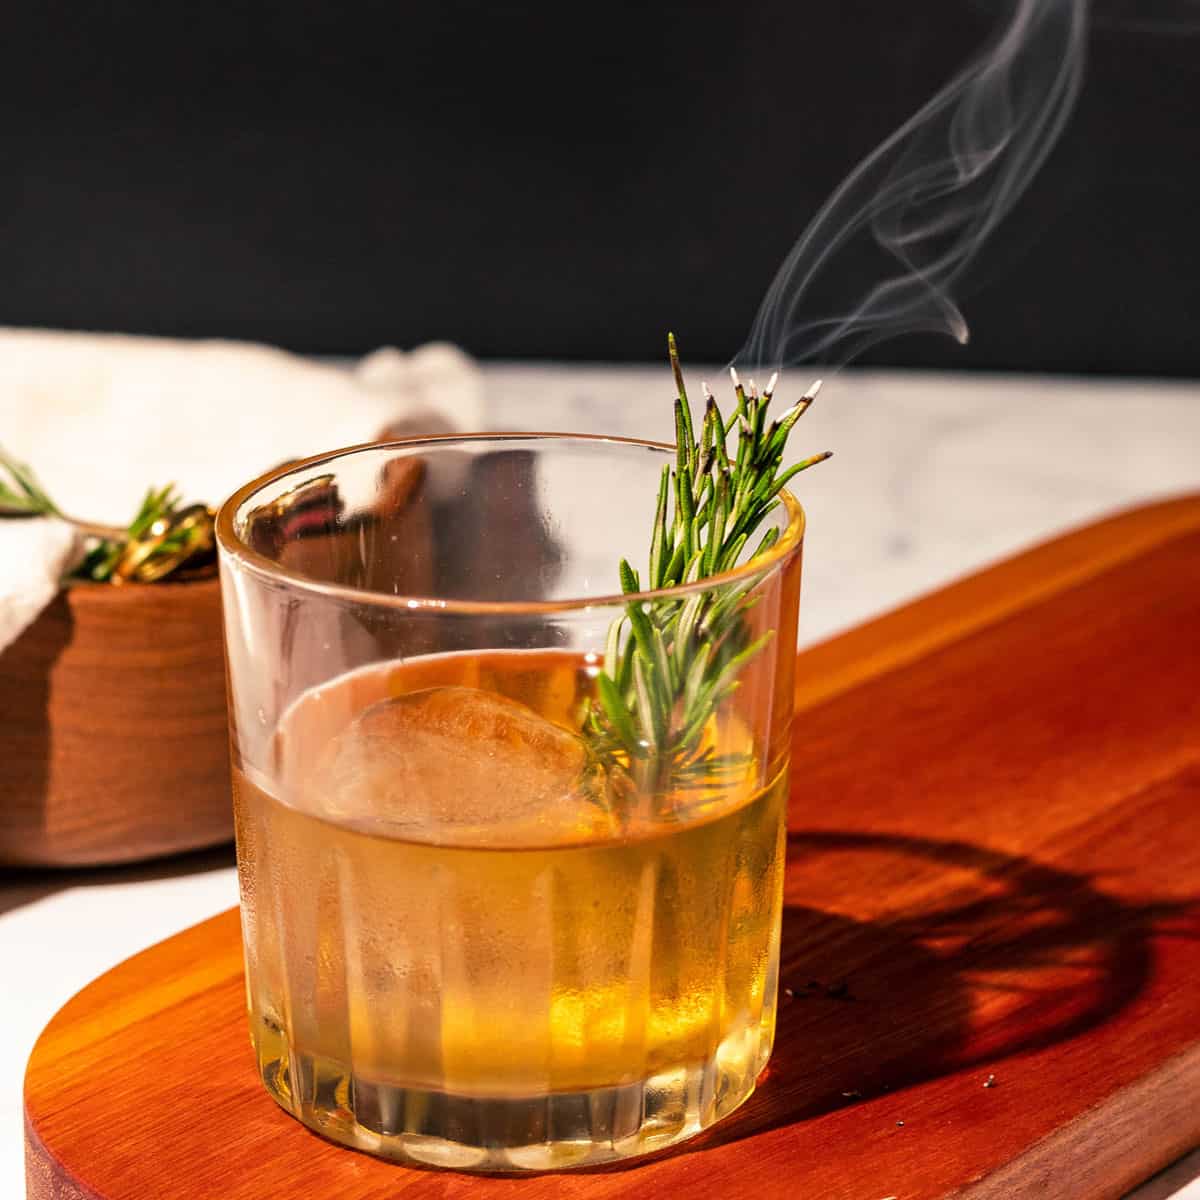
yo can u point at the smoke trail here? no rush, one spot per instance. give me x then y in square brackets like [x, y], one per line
[930, 195]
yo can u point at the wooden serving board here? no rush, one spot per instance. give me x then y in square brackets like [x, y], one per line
[994, 877]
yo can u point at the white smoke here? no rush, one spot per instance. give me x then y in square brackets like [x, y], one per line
[929, 196]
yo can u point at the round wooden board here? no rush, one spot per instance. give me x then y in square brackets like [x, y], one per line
[992, 874]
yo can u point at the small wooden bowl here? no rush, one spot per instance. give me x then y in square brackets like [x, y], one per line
[114, 743]
[113, 736]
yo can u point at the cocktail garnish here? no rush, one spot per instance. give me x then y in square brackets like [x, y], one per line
[671, 661]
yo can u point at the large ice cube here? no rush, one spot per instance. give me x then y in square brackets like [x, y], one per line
[461, 765]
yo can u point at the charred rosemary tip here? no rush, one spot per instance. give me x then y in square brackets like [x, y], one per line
[671, 662]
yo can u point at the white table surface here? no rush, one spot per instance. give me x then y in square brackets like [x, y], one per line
[934, 476]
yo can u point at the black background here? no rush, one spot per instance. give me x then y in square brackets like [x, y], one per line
[561, 181]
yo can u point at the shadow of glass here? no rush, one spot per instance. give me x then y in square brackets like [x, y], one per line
[987, 956]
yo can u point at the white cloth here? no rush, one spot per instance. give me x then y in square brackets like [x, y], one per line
[101, 417]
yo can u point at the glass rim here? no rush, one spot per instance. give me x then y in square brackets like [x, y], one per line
[232, 546]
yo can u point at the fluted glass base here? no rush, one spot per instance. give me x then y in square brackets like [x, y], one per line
[519, 1133]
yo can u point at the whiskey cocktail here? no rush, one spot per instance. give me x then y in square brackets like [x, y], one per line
[510, 842]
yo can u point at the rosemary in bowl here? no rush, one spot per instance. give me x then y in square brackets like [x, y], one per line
[670, 662]
[164, 537]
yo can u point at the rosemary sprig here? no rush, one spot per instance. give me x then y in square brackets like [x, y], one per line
[20, 493]
[162, 537]
[670, 663]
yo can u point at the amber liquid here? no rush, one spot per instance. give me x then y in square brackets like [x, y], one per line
[585, 989]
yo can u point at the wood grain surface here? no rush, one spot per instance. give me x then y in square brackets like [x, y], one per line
[991, 936]
[114, 742]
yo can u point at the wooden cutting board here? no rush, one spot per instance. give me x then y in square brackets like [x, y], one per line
[991, 940]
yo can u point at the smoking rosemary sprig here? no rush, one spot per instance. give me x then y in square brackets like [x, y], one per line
[162, 537]
[670, 663]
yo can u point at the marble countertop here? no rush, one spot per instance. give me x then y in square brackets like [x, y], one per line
[935, 475]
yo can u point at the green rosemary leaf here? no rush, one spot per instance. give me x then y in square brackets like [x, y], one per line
[629, 578]
[155, 506]
[642, 630]
[664, 674]
[660, 529]
[713, 413]
[102, 571]
[704, 493]
[716, 531]
[688, 496]
[768, 540]
[680, 390]
[15, 502]
[760, 423]
[625, 674]
[694, 679]
[685, 628]
[674, 571]
[648, 712]
[732, 553]
[792, 472]
[710, 770]
[687, 516]
[752, 517]
[698, 716]
[682, 447]
[731, 668]
[24, 495]
[612, 649]
[618, 715]
[743, 449]
[778, 434]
